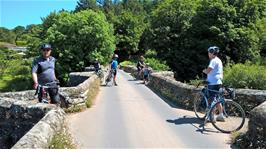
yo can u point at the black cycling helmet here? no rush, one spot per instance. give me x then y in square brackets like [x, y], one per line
[116, 56]
[46, 46]
[213, 50]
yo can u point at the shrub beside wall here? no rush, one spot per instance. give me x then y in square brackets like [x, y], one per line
[245, 76]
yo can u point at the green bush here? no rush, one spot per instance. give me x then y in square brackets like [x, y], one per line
[156, 64]
[127, 63]
[21, 43]
[15, 74]
[150, 53]
[245, 76]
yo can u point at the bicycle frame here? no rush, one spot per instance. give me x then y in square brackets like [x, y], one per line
[220, 98]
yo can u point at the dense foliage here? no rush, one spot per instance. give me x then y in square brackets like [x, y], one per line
[187, 28]
[245, 76]
[78, 38]
[14, 71]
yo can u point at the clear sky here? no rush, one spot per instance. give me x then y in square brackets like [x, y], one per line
[26, 12]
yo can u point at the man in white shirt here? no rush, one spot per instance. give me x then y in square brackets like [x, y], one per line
[215, 76]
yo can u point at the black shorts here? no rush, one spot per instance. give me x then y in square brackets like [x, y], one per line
[115, 72]
[53, 93]
[213, 94]
[146, 77]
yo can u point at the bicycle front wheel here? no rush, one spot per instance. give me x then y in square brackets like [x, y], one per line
[233, 116]
[200, 107]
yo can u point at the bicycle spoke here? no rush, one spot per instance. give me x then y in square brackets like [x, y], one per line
[234, 117]
[199, 108]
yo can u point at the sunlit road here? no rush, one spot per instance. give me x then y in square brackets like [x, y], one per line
[130, 115]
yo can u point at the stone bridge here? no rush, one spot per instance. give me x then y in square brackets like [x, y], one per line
[27, 124]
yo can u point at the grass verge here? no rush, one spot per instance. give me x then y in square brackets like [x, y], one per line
[62, 140]
[75, 109]
[93, 91]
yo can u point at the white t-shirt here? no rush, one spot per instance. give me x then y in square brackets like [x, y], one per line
[215, 76]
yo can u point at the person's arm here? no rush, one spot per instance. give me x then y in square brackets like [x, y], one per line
[35, 80]
[208, 70]
[54, 70]
[34, 74]
[210, 67]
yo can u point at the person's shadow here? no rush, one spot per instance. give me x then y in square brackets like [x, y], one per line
[197, 123]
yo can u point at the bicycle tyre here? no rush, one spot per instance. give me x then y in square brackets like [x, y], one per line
[200, 112]
[234, 116]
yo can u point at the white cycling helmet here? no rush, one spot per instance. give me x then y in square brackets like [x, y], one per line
[115, 56]
[214, 50]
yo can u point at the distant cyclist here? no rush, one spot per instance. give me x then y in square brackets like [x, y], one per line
[97, 65]
[43, 72]
[140, 65]
[146, 73]
[214, 76]
[114, 66]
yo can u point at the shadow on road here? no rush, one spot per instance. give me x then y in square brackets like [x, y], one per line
[197, 123]
[185, 120]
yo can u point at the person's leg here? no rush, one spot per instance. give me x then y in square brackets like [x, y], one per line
[213, 96]
[40, 94]
[53, 93]
[115, 73]
[145, 79]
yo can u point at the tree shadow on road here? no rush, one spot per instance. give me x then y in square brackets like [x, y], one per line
[195, 122]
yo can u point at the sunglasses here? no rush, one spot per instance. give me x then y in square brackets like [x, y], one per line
[46, 49]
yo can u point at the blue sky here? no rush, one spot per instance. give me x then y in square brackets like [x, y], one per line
[25, 12]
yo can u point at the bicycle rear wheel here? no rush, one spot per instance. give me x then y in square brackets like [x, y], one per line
[234, 116]
[200, 109]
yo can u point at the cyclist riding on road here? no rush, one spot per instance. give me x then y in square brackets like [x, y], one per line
[214, 77]
[114, 66]
[43, 72]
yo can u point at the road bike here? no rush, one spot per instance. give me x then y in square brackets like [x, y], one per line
[109, 77]
[207, 109]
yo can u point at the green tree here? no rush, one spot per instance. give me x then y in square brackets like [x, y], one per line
[19, 30]
[34, 36]
[86, 4]
[230, 25]
[261, 24]
[128, 30]
[7, 35]
[170, 23]
[79, 38]
[187, 28]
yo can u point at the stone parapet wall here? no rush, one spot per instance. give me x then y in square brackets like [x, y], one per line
[257, 126]
[75, 78]
[22, 95]
[179, 93]
[42, 133]
[75, 95]
[17, 118]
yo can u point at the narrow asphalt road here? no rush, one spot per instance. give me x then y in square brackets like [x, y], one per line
[130, 115]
